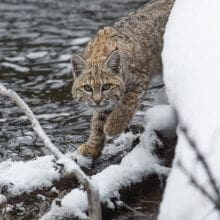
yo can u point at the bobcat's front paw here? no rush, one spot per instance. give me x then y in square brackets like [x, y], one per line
[90, 151]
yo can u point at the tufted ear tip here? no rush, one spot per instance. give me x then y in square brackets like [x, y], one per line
[113, 62]
[78, 64]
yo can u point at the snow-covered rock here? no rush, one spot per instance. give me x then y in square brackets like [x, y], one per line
[20, 177]
[135, 166]
[24, 177]
[161, 97]
[156, 80]
[122, 144]
[191, 59]
[161, 118]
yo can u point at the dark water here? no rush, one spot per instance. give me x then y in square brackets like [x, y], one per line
[37, 38]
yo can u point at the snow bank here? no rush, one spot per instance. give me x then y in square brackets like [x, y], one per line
[191, 59]
[162, 118]
[161, 97]
[122, 144]
[22, 177]
[138, 164]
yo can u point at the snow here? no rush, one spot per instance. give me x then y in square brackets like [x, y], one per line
[162, 118]
[135, 166]
[161, 97]
[191, 58]
[156, 80]
[83, 161]
[3, 201]
[24, 177]
[28, 176]
[122, 143]
[68, 165]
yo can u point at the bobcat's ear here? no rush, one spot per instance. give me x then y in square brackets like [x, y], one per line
[113, 62]
[78, 64]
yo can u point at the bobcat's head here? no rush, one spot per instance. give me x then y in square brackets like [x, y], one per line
[98, 84]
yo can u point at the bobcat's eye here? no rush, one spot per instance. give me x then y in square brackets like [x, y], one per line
[87, 88]
[106, 86]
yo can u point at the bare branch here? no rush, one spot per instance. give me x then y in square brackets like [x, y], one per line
[136, 213]
[202, 161]
[197, 185]
[70, 168]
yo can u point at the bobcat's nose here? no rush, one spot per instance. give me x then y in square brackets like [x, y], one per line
[97, 99]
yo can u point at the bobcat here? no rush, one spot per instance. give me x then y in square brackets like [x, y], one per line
[116, 68]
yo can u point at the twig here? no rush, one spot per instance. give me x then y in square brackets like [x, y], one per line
[197, 185]
[148, 201]
[202, 161]
[70, 168]
[137, 213]
[208, 214]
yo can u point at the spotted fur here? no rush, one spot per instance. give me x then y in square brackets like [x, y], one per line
[116, 68]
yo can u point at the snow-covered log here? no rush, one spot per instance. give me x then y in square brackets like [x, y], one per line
[191, 60]
[140, 163]
[43, 171]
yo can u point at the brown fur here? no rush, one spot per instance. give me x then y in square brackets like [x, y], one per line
[117, 65]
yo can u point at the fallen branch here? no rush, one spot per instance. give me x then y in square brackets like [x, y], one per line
[70, 168]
